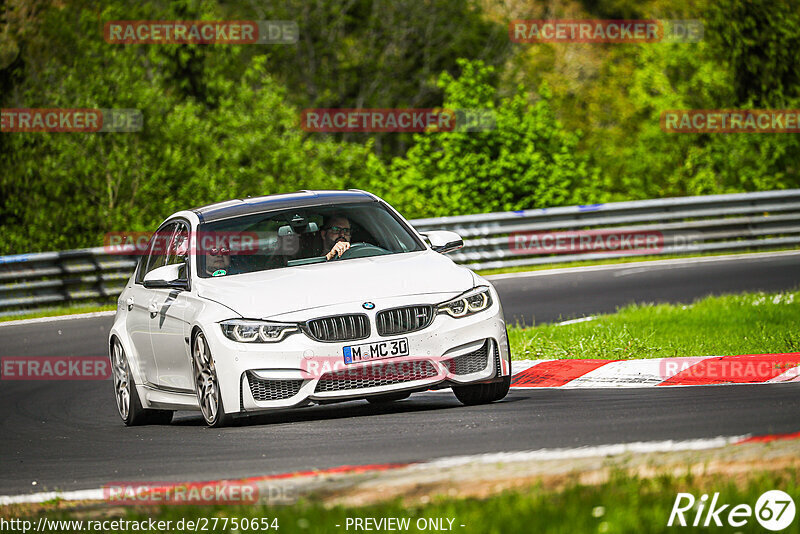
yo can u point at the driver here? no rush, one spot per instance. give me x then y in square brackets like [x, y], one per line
[335, 236]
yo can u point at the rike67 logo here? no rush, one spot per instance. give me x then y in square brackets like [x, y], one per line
[774, 510]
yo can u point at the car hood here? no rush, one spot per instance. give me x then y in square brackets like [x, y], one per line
[270, 293]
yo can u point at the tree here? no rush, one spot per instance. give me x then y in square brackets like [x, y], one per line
[760, 40]
[375, 53]
[529, 160]
[236, 137]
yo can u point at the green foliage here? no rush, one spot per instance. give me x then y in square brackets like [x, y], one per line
[375, 53]
[660, 164]
[527, 161]
[202, 142]
[615, 94]
[576, 123]
[760, 39]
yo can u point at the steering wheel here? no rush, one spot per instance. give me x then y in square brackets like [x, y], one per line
[362, 250]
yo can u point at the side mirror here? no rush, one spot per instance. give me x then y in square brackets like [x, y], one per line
[166, 277]
[444, 241]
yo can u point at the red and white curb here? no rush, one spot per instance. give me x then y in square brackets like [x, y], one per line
[687, 371]
[440, 463]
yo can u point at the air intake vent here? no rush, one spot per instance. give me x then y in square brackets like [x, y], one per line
[270, 390]
[339, 328]
[376, 375]
[497, 367]
[404, 320]
[472, 362]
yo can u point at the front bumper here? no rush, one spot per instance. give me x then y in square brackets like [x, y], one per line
[299, 370]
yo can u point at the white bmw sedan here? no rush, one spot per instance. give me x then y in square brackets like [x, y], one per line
[306, 298]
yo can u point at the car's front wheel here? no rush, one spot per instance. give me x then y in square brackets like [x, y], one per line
[483, 393]
[206, 382]
[129, 406]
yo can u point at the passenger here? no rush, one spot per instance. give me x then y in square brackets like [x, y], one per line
[218, 261]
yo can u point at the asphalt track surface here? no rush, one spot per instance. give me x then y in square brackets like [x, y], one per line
[66, 435]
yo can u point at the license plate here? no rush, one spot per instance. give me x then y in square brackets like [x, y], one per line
[373, 351]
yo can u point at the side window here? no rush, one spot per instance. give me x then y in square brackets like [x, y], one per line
[157, 250]
[179, 248]
[140, 267]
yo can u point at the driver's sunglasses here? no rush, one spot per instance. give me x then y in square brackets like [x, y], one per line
[224, 251]
[339, 230]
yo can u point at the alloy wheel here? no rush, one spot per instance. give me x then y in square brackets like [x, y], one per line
[122, 382]
[206, 383]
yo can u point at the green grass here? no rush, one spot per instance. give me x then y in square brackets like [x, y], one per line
[749, 323]
[61, 310]
[622, 504]
[614, 261]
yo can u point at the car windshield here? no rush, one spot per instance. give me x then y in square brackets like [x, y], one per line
[294, 237]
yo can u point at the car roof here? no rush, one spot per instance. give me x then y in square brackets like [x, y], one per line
[299, 199]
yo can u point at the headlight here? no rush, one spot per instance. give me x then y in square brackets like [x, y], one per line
[246, 331]
[473, 301]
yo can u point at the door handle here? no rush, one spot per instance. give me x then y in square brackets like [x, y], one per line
[129, 303]
[153, 307]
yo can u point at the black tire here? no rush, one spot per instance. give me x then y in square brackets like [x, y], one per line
[206, 383]
[485, 393]
[482, 393]
[390, 397]
[133, 414]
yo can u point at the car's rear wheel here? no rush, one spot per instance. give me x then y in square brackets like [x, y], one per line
[206, 383]
[389, 397]
[129, 406]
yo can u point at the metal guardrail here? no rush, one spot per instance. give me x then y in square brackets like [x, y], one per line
[684, 225]
[688, 225]
[40, 280]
